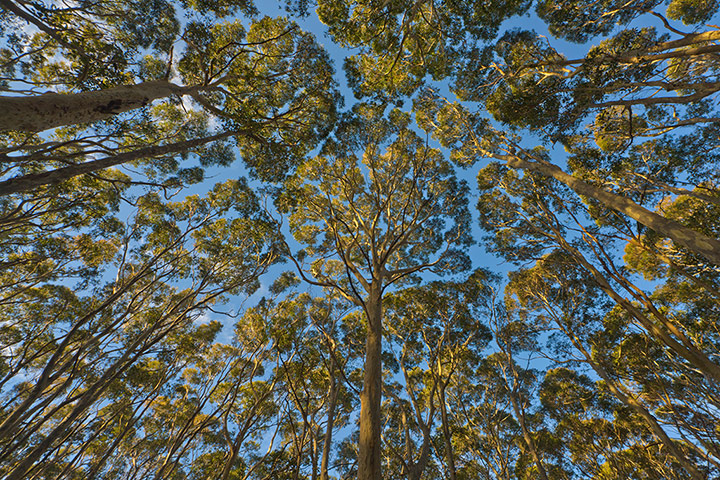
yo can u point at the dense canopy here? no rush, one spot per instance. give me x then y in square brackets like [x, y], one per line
[372, 239]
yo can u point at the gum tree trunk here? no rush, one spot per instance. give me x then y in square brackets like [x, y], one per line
[50, 110]
[694, 241]
[327, 442]
[52, 177]
[369, 458]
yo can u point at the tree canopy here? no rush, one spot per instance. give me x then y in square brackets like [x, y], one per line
[487, 246]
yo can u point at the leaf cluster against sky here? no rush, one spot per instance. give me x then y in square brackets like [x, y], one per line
[359, 239]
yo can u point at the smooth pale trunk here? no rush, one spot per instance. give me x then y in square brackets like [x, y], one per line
[227, 469]
[50, 110]
[449, 454]
[369, 457]
[520, 414]
[327, 443]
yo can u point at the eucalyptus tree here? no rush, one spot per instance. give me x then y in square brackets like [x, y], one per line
[70, 347]
[100, 40]
[517, 341]
[400, 44]
[642, 178]
[207, 413]
[473, 137]
[372, 218]
[437, 332]
[316, 375]
[485, 436]
[636, 114]
[642, 146]
[92, 372]
[267, 87]
[598, 434]
[601, 315]
[104, 378]
[641, 82]
[638, 390]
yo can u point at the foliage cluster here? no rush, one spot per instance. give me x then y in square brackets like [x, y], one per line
[392, 349]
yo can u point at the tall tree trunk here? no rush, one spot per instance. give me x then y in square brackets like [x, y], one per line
[315, 448]
[449, 454]
[369, 457]
[227, 468]
[327, 443]
[631, 401]
[130, 356]
[521, 417]
[50, 110]
[57, 365]
[527, 436]
[696, 242]
[52, 177]
[416, 469]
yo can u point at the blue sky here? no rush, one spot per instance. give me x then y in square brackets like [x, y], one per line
[479, 255]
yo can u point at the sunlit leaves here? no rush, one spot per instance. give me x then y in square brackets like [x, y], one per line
[398, 207]
[402, 43]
